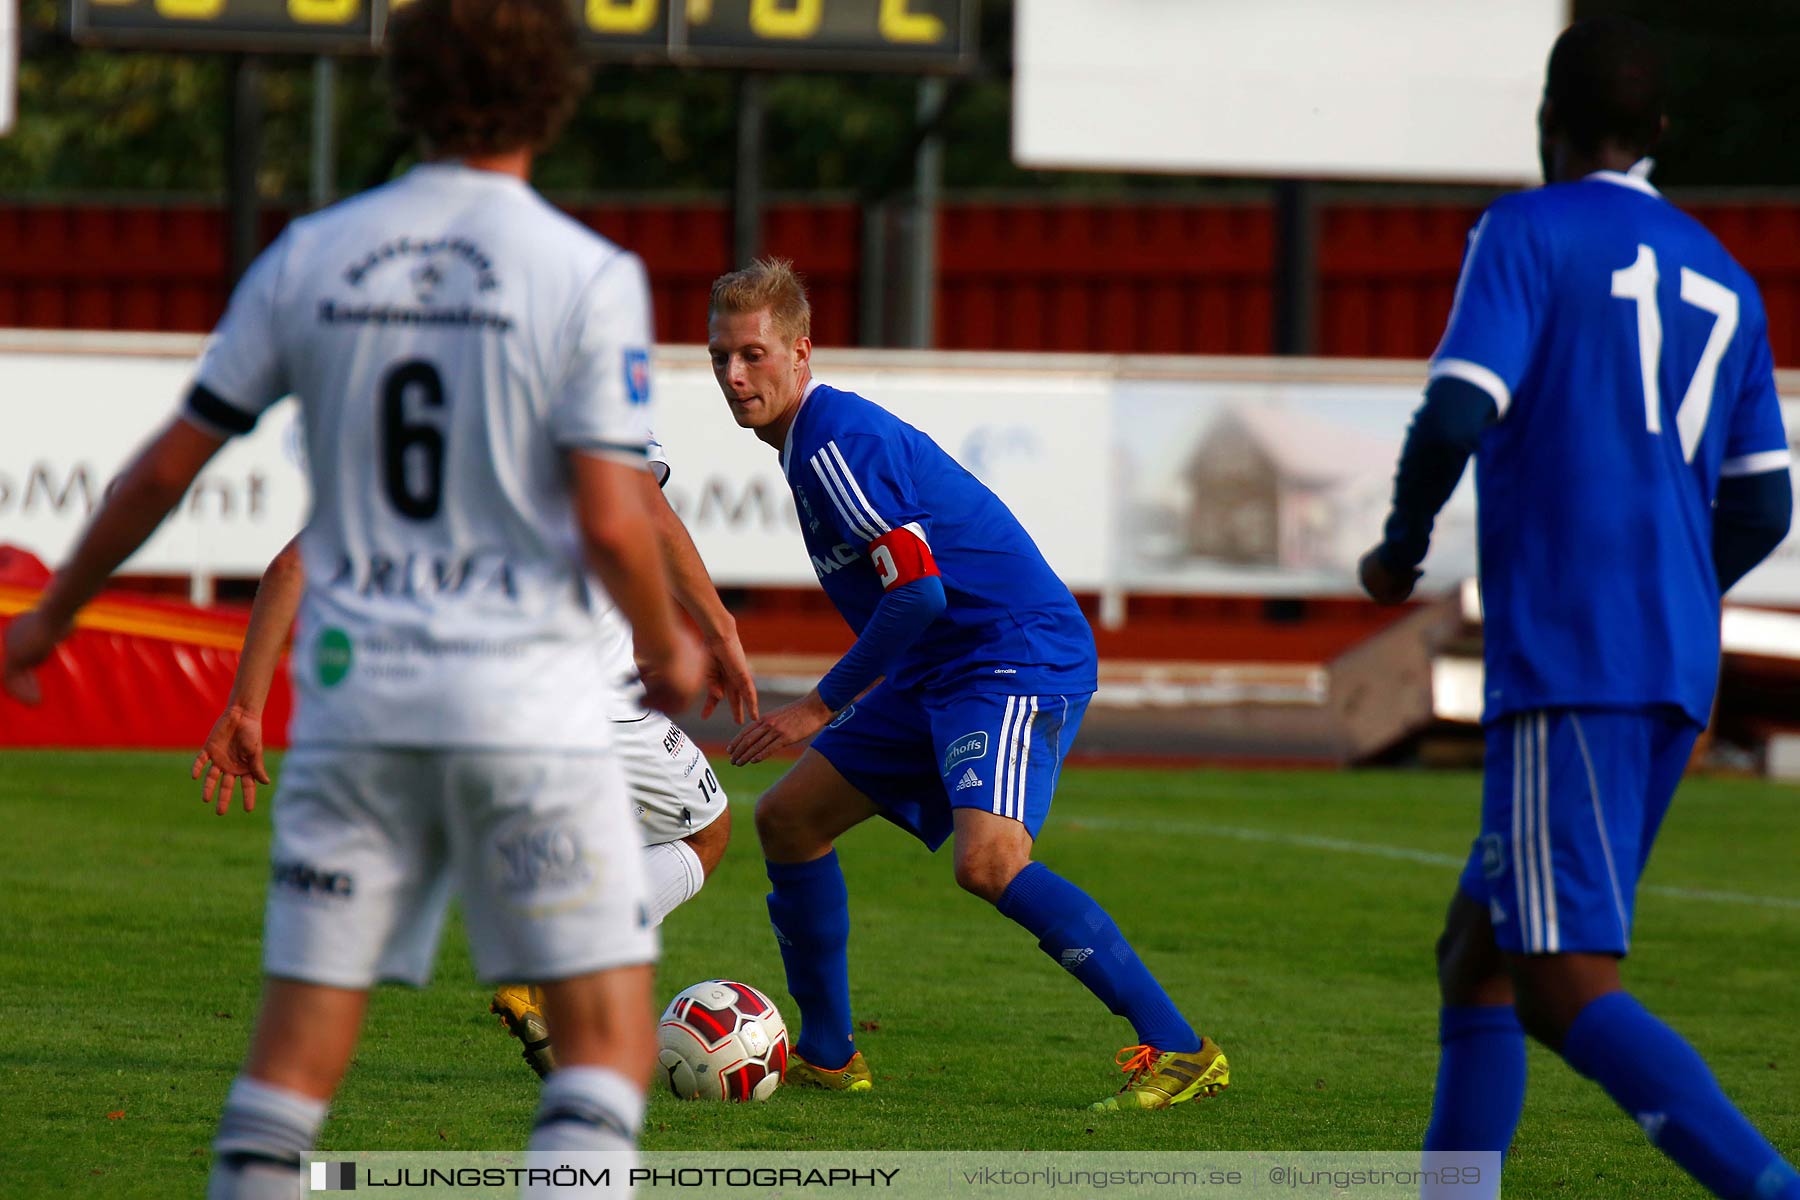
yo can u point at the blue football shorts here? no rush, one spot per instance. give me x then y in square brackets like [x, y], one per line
[1571, 805]
[918, 755]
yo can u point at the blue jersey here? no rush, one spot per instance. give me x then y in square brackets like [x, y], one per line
[1629, 359]
[1010, 625]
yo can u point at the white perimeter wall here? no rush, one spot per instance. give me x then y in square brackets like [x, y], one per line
[1224, 475]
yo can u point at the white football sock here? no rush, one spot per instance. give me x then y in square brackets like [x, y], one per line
[675, 877]
[262, 1134]
[583, 1111]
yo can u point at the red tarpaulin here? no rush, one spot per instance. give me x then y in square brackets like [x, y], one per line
[138, 673]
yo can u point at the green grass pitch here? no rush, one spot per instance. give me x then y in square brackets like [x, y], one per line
[1291, 915]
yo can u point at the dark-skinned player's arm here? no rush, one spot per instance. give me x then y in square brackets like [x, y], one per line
[1443, 434]
[1755, 502]
[1488, 343]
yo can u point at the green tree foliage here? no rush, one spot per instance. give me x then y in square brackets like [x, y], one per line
[111, 121]
[1734, 96]
[108, 120]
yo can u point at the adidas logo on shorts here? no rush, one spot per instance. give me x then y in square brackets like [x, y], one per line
[970, 779]
[1071, 959]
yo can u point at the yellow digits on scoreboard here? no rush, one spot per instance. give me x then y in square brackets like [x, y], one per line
[793, 19]
[621, 16]
[190, 10]
[699, 12]
[321, 12]
[898, 23]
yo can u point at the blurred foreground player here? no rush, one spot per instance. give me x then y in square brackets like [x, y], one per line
[472, 373]
[1608, 364]
[988, 665]
[684, 818]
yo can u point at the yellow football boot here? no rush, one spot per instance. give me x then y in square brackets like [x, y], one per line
[853, 1076]
[1157, 1079]
[521, 1010]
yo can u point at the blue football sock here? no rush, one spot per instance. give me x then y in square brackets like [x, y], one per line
[810, 910]
[1480, 1080]
[1654, 1075]
[1078, 934]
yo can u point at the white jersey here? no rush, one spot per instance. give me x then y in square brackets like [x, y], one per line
[449, 337]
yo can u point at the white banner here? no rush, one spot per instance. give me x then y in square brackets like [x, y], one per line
[73, 421]
[1036, 438]
[1277, 487]
[1231, 476]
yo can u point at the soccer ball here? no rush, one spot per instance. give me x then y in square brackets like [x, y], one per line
[721, 1040]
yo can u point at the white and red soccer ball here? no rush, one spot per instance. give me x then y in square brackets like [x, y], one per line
[722, 1040]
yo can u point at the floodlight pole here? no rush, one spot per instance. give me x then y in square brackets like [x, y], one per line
[324, 131]
[243, 155]
[873, 291]
[747, 187]
[928, 179]
[1296, 265]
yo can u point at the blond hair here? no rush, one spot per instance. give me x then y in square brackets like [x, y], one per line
[767, 283]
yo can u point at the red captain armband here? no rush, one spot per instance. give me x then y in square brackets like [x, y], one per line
[901, 556]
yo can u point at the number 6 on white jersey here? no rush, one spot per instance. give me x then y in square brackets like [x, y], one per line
[1637, 283]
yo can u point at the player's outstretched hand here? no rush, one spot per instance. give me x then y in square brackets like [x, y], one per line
[728, 678]
[785, 726]
[674, 676]
[31, 639]
[233, 752]
[1384, 584]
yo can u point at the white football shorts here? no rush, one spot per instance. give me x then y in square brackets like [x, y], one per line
[370, 843]
[672, 786]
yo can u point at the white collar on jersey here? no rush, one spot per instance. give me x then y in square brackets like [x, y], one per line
[1637, 177]
[787, 446]
[455, 168]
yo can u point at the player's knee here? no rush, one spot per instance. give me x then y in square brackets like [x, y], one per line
[1552, 990]
[709, 843]
[986, 874]
[1469, 966]
[1544, 1008]
[782, 828]
[773, 823]
[1538, 1014]
[1452, 961]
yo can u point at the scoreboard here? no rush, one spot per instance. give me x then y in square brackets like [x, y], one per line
[903, 35]
[310, 26]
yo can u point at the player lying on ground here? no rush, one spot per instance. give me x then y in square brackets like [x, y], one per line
[471, 369]
[682, 811]
[1608, 364]
[989, 666]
